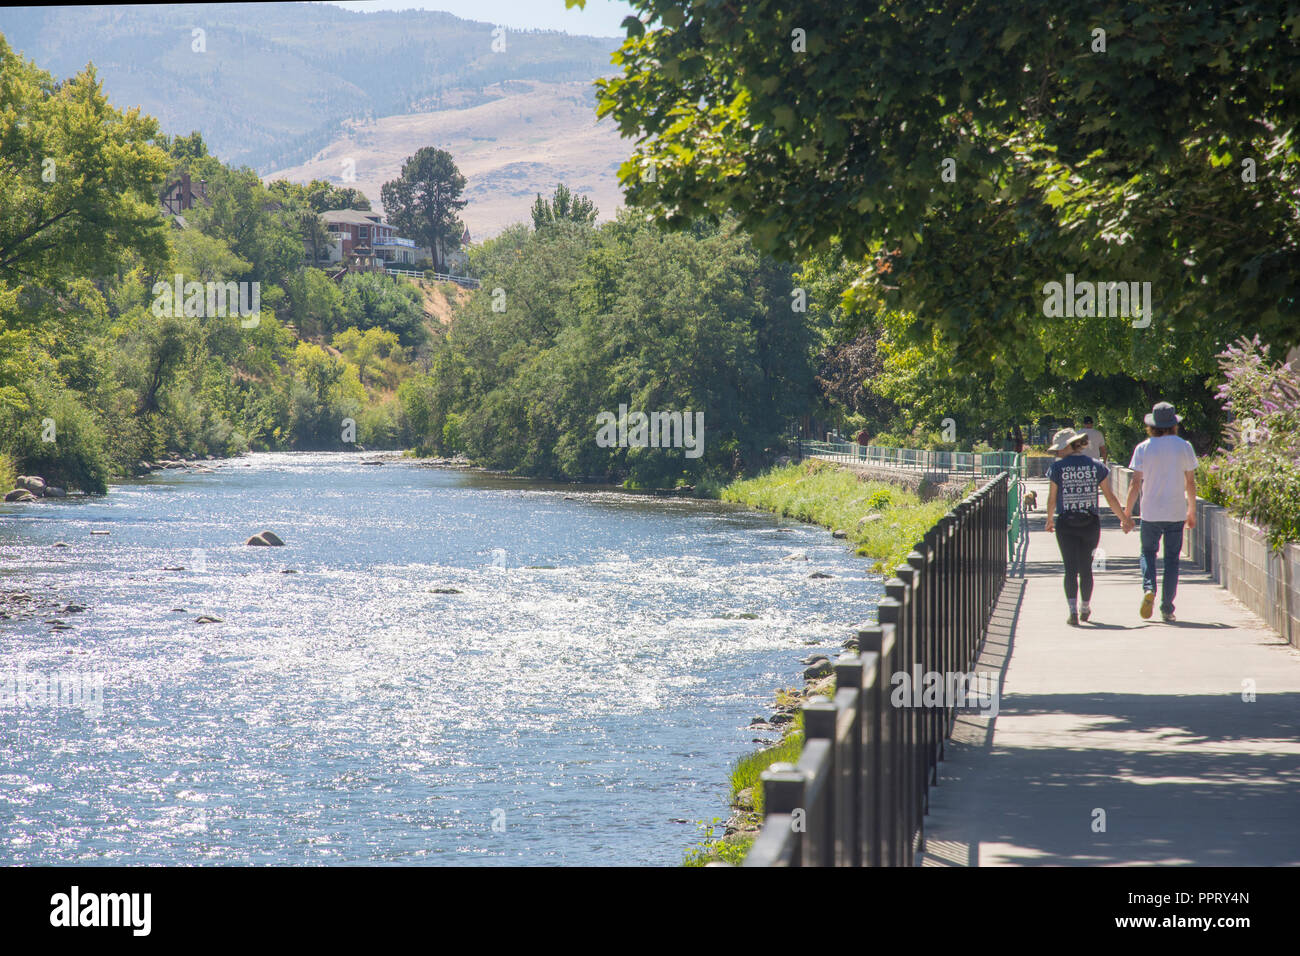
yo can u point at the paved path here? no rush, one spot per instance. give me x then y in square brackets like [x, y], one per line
[1140, 719]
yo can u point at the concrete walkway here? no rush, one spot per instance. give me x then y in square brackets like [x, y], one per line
[1142, 720]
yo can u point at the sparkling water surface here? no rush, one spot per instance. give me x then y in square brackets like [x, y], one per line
[589, 684]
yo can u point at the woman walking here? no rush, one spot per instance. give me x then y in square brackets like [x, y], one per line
[1072, 513]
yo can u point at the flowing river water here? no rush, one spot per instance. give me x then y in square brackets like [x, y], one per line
[464, 669]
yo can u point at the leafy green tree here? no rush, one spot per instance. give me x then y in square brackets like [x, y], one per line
[368, 351]
[318, 195]
[315, 303]
[379, 301]
[563, 206]
[815, 122]
[78, 178]
[186, 148]
[424, 202]
[243, 213]
[592, 319]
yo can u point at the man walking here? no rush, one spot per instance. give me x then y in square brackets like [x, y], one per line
[1164, 474]
[1096, 447]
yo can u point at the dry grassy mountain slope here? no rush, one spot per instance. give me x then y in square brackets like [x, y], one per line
[270, 85]
[522, 143]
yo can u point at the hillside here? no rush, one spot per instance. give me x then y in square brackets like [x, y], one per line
[524, 141]
[276, 83]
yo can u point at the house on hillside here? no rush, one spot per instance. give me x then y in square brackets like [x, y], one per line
[363, 242]
[181, 195]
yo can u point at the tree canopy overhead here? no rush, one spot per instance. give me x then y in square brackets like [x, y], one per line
[1109, 140]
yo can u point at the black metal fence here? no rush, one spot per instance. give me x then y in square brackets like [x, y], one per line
[859, 792]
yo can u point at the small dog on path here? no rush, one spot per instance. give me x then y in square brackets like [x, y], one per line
[1031, 501]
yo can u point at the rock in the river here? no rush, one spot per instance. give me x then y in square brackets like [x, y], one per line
[53, 491]
[267, 539]
[99, 532]
[73, 609]
[59, 544]
[796, 556]
[820, 575]
[20, 495]
[839, 533]
[777, 719]
[207, 619]
[817, 669]
[33, 483]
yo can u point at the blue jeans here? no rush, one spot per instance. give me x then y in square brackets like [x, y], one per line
[1172, 533]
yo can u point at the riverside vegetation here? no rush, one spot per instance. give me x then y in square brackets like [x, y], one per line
[881, 521]
[572, 319]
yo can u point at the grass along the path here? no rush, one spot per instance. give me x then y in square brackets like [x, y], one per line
[880, 520]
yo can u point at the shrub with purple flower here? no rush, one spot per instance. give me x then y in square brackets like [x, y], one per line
[1258, 474]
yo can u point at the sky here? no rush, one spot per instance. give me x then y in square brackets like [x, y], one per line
[601, 18]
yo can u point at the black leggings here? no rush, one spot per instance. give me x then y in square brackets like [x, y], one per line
[1077, 545]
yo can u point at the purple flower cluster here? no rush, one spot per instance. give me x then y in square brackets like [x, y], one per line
[1258, 474]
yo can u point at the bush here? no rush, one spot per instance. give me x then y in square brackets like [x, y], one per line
[75, 458]
[1258, 475]
[8, 473]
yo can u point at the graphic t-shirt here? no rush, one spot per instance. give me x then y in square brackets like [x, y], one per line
[1077, 479]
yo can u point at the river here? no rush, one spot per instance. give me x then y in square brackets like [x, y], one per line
[464, 669]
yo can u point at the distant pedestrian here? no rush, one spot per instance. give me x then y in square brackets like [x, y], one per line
[1096, 447]
[1164, 474]
[1072, 513]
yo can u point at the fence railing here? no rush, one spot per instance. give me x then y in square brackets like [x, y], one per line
[859, 792]
[466, 281]
[977, 464]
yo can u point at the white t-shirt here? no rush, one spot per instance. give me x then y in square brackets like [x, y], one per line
[1095, 441]
[1163, 462]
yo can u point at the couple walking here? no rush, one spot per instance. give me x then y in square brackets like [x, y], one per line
[1163, 469]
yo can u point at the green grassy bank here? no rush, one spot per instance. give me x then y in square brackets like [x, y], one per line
[880, 520]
